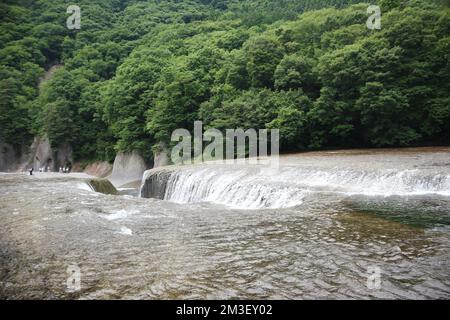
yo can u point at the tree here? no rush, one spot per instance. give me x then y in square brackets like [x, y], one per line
[295, 72]
[263, 55]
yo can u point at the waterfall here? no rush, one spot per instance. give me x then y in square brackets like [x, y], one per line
[260, 187]
[239, 189]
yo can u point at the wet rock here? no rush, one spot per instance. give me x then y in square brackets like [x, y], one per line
[103, 186]
[154, 182]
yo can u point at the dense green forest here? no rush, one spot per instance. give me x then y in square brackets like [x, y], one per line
[137, 70]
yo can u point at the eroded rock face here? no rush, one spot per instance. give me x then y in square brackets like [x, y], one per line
[154, 183]
[41, 155]
[128, 167]
[100, 169]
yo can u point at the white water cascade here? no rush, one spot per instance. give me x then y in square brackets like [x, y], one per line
[262, 187]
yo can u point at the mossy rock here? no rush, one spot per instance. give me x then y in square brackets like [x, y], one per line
[103, 186]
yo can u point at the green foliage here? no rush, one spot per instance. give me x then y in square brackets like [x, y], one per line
[137, 70]
[263, 56]
[295, 72]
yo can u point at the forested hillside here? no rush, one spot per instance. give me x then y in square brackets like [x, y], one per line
[136, 70]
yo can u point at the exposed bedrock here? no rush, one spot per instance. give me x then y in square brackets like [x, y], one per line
[100, 169]
[127, 168]
[39, 155]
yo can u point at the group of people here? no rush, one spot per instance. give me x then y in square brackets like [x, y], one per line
[47, 169]
[64, 169]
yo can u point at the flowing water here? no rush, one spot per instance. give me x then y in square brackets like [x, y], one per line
[322, 226]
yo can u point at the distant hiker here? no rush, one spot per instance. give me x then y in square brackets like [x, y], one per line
[31, 171]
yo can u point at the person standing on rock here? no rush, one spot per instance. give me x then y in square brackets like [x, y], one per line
[31, 171]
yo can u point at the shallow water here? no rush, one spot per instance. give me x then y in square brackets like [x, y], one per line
[322, 247]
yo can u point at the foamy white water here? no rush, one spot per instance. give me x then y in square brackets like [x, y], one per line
[239, 189]
[256, 187]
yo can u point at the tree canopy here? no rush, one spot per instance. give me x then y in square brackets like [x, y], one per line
[137, 70]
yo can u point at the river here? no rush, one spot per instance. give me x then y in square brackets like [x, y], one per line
[319, 227]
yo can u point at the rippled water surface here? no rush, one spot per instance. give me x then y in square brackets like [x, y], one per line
[322, 247]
